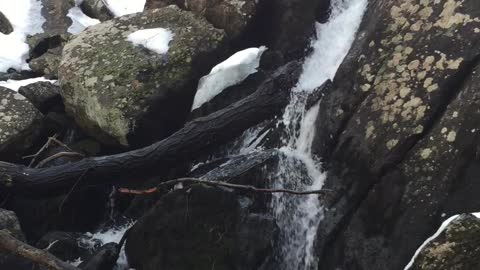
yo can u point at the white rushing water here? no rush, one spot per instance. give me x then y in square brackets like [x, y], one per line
[299, 217]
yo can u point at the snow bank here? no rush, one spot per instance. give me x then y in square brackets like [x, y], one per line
[155, 39]
[26, 19]
[431, 238]
[80, 21]
[230, 72]
[15, 85]
[124, 7]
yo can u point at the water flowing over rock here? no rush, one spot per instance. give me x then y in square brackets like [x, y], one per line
[121, 93]
[399, 133]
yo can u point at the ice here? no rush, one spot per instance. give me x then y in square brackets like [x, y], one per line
[155, 39]
[230, 72]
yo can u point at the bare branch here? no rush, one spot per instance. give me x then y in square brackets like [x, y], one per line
[221, 184]
[58, 155]
[9, 244]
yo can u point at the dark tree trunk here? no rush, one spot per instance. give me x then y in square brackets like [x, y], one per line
[196, 138]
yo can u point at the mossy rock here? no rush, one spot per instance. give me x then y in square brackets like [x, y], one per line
[127, 94]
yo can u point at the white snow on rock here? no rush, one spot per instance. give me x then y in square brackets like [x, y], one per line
[16, 84]
[26, 19]
[434, 236]
[124, 7]
[80, 21]
[155, 39]
[230, 72]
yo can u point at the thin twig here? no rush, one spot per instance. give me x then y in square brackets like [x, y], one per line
[71, 190]
[58, 155]
[221, 184]
[44, 147]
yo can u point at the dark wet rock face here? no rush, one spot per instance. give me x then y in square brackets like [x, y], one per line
[5, 25]
[20, 124]
[63, 245]
[397, 131]
[212, 227]
[9, 221]
[455, 248]
[127, 94]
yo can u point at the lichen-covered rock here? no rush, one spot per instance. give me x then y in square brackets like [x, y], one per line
[96, 9]
[233, 16]
[127, 94]
[201, 227]
[9, 221]
[456, 248]
[5, 25]
[399, 132]
[20, 123]
[43, 95]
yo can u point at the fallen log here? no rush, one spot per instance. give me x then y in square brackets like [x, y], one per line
[11, 245]
[194, 139]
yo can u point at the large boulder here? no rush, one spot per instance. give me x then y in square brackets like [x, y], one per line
[455, 248]
[46, 53]
[43, 95]
[127, 94]
[399, 132]
[201, 228]
[20, 124]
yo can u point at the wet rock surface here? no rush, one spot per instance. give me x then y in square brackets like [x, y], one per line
[96, 9]
[5, 25]
[215, 228]
[397, 131]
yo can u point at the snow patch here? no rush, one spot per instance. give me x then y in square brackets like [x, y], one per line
[16, 84]
[124, 7]
[230, 72]
[26, 19]
[434, 236]
[155, 39]
[80, 21]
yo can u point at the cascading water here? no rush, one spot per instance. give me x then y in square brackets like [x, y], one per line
[298, 218]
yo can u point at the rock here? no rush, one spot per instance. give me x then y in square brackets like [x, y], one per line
[455, 248]
[121, 93]
[18, 75]
[55, 14]
[20, 124]
[70, 213]
[96, 9]
[9, 221]
[405, 96]
[63, 245]
[5, 25]
[46, 53]
[233, 16]
[209, 226]
[43, 95]
[285, 25]
[105, 258]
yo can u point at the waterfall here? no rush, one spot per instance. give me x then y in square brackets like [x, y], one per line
[299, 217]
